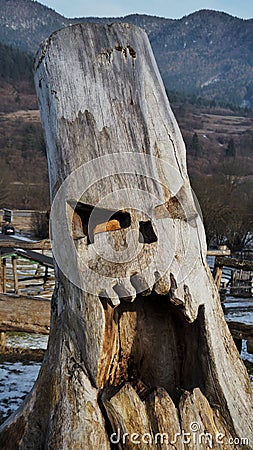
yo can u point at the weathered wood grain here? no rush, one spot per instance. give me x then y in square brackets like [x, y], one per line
[165, 420]
[129, 420]
[233, 263]
[45, 244]
[241, 330]
[115, 153]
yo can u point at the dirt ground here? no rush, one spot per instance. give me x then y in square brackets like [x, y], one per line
[23, 355]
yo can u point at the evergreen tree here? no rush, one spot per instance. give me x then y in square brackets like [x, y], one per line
[230, 150]
[196, 146]
[15, 64]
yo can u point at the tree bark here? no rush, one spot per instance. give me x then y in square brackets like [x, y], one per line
[139, 351]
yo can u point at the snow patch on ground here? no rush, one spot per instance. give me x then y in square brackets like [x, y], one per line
[16, 380]
[26, 340]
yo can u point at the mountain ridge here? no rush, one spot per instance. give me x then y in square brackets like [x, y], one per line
[206, 53]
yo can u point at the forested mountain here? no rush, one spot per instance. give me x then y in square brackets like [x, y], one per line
[16, 65]
[207, 53]
[25, 23]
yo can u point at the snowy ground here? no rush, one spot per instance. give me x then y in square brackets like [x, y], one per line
[245, 355]
[16, 380]
[26, 340]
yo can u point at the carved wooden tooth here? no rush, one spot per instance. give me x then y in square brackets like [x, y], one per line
[111, 296]
[167, 285]
[140, 284]
[123, 292]
[128, 417]
[164, 419]
[163, 284]
[204, 426]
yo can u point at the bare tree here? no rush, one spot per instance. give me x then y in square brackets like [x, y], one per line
[40, 224]
[4, 188]
[226, 204]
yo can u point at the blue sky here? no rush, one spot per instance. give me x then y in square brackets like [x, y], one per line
[163, 8]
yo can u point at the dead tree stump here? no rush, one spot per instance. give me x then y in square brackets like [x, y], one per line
[139, 354]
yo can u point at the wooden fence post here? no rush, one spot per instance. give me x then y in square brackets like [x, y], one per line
[1, 275]
[4, 275]
[15, 274]
[2, 341]
[217, 275]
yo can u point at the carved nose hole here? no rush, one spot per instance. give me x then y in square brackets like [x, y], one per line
[123, 218]
[106, 220]
[89, 220]
[146, 233]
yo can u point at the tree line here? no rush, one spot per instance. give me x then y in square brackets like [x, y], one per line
[226, 204]
[16, 65]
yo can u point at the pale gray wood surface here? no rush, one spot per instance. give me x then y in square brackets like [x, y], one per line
[135, 309]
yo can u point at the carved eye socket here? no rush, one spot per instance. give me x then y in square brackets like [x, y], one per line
[147, 234]
[110, 225]
[89, 220]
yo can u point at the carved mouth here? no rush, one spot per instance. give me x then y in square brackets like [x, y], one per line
[148, 340]
[155, 344]
[124, 258]
[155, 372]
[158, 347]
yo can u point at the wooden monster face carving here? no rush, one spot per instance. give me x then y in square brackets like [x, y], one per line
[135, 305]
[130, 242]
[124, 215]
[126, 232]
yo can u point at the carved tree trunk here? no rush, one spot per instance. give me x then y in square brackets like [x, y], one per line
[139, 353]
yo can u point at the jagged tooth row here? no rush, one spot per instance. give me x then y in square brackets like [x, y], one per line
[156, 422]
[137, 284]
